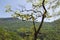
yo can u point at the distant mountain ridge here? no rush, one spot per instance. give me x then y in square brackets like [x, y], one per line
[18, 22]
[15, 23]
[18, 19]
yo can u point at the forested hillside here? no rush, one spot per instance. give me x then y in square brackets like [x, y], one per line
[16, 23]
[16, 29]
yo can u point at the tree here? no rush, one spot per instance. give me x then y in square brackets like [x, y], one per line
[35, 6]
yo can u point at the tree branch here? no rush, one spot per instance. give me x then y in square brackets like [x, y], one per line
[34, 26]
[31, 10]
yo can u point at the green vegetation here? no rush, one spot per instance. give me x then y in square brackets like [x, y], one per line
[15, 29]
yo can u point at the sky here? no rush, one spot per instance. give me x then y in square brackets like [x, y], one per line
[15, 5]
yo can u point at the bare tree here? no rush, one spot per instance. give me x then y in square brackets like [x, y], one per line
[30, 16]
[27, 16]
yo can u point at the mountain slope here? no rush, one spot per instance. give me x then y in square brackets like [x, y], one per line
[14, 23]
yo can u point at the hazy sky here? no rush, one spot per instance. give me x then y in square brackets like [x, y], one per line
[15, 5]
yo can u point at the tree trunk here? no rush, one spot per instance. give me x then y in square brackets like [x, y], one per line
[43, 16]
[35, 36]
